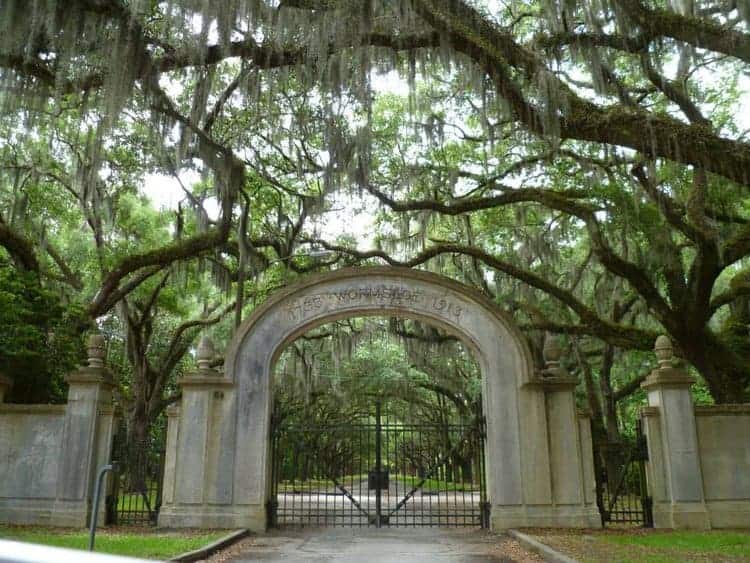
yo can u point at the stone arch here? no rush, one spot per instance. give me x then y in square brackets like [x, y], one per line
[538, 452]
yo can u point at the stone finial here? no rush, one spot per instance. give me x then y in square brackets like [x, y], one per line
[96, 350]
[205, 353]
[552, 352]
[670, 372]
[664, 351]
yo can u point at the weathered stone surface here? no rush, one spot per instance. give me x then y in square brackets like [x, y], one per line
[230, 427]
[699, 457]
[51, 453]
[674, 462]
[724, 446]
[30, 442]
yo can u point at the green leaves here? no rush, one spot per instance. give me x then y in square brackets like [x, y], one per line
[39, 341]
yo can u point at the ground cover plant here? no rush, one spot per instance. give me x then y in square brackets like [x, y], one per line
[146, 543]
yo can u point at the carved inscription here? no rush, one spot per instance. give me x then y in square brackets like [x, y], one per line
[382, 295]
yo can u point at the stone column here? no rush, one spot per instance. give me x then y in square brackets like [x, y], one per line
[573, 487]
[673, 444]
[5, 385]
[86, 444]
[195, 495]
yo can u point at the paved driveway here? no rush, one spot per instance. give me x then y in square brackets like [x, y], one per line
[402, 545]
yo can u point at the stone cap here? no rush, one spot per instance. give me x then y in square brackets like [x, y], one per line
[650, 411]
[669, 373]
[205, 375]
[90, 375]
[32, 409]
[731, 409]
[197, 379]
[96, 371]
[668, 377]
[553, 382]
[554, 376]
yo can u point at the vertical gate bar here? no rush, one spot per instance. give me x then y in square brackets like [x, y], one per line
[436, 460]
[393, 463]
[367, 464]
[444, 480]
[316, 479]
[299, 460]
[485, 505]
[357, 472]
[415, 465]
[454, 469]
[426, 454]
[464, 484]
[271, 495]
[378, 463]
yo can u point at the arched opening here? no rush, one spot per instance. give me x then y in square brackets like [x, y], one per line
[537, 447]
[377, 422]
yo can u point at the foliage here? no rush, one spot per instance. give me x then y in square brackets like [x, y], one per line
[38, 344]
[582, 164]
[337, 372]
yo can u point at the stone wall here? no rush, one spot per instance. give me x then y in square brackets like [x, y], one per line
[31, 441]
[49, 454]
[699, 457]
[724, 450]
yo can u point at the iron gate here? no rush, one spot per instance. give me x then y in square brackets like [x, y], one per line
[622, 492]
[137, 485]
[378, 471]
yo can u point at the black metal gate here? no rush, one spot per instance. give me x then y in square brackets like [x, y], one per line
[135, 497]
[622, 491]
[378, 471]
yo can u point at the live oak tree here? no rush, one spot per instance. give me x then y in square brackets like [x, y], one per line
[612, 126]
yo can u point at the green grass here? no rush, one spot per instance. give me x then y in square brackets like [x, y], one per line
[732, 544]
[141, 542]
[135, 501]
[649, 546]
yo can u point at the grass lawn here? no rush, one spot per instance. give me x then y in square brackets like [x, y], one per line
[404, 482]
[134, 542]
[639, 545]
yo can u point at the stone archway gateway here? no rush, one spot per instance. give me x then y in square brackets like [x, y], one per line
[539, 464]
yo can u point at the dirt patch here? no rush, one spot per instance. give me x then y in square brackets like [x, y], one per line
[243, 546]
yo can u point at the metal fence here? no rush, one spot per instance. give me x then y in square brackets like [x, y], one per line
[136, 494]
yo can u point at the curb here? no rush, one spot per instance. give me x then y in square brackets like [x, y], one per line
[210, 549]
[549, 554]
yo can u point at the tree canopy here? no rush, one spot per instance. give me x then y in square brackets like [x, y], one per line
[584, 164]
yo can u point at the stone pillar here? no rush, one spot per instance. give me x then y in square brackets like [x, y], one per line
[86, 443]
[568, 488]
[673, 444]
[195, 496]
[5, 385]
